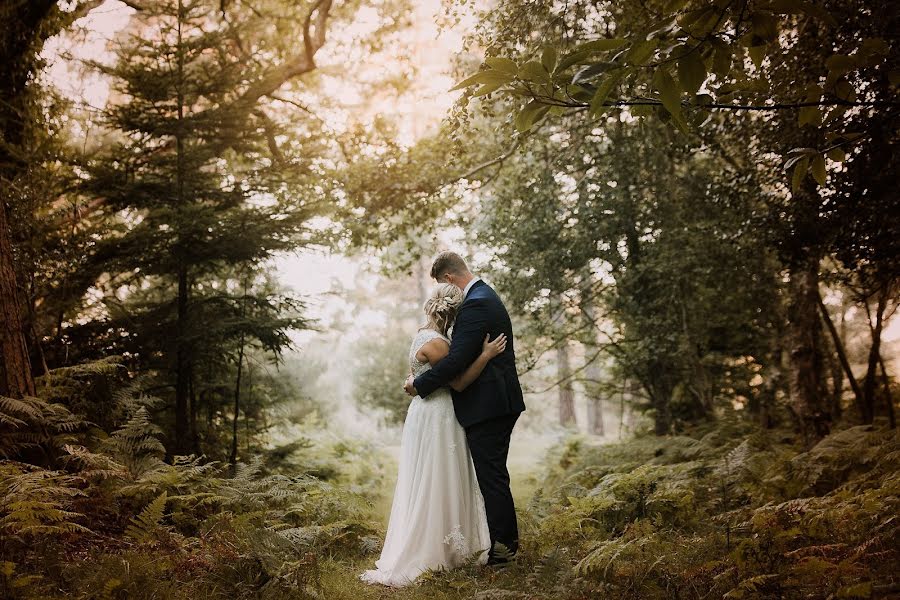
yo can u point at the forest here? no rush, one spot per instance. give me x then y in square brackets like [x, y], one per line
[217, 219]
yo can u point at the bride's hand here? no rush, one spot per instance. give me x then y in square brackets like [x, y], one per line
[492, 349]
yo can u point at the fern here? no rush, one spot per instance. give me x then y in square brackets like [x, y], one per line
[145, 526]
[32, 422]
[37, 502]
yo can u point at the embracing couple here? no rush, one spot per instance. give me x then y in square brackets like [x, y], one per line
[452, 499]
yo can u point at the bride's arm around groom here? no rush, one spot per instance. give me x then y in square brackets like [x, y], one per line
[468, 338]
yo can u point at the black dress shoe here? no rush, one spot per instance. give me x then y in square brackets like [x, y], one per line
[494, 561]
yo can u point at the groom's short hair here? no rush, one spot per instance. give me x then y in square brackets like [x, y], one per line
[448, 262]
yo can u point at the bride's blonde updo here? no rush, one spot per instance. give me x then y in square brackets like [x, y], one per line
[441, 307]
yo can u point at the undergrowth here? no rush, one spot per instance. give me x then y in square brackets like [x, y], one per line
[725, 510]
[102, 515]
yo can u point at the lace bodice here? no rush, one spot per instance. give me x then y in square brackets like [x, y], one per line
[422, 337]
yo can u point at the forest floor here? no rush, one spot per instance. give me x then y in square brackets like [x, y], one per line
[727, 511]
[340, 578]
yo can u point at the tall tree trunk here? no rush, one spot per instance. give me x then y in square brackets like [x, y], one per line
[807, 397]
[595, 403]
[182, 369]
[874, 353]
[566, 392]
[592, 371]
[249, 403]
[16, 379]
[237, 404]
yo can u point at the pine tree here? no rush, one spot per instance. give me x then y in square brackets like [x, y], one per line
[196, 188]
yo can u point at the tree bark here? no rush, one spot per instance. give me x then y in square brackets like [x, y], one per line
[804, 330]
[182, 358]
[237, 405]
[567, 416]
[662, 416]
[195, 437]
[16, 379]
[839, 349]
[592, 371]
[869, 382]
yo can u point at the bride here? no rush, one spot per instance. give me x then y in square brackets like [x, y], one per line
[437, 518]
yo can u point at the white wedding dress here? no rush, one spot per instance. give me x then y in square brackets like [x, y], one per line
[437, 517]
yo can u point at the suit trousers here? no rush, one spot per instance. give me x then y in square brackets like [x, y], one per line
[489, 445]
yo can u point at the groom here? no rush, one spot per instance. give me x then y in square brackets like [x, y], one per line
[489, 407]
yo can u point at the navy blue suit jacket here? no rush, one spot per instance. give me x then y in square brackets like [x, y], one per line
[496, 392]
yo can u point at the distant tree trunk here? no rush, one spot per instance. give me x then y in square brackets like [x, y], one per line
[659, 390]
[804, 332]
[888, 396]
[595, 414]
[662, 417]
[592, 371]
[249, 403]
[195, 437]
[566, 392]
[874, 353]
[837, 339]
[421, 278]
[237, 405]
[625, 400]
[773, 378]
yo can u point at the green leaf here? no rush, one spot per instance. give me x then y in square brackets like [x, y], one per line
[488, 88]
[722, 60]
[799, 175]
[818, 169]
[844, 91]
[483, 77]
[641, 51]
[786, 7]
[529, 115]
[837, 154]
[810, 115]
[692, 16]
[764, 25]
[534, 71]
[818, 12]
[593, 71]
[548, 58]
[603, 91]
[601, 45]
[840, 63]
[675, 5]
[641, 110]
[757, 54]
[894, 77]
[691, 72]
[669, 92]
[505, 65]
[572, 58]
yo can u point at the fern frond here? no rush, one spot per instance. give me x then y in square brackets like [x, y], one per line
[145, 525]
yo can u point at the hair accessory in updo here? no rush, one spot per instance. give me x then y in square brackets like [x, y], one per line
[445, 298]
[442, 305]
